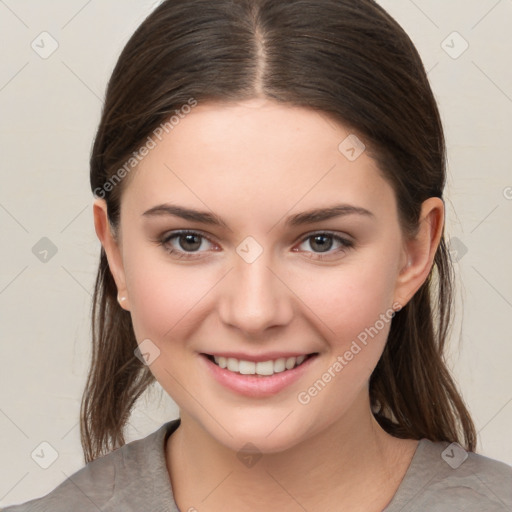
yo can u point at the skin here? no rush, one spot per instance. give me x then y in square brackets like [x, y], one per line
[254, 163]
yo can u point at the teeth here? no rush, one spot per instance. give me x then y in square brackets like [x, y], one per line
[232, 364]
[290, 363]
[279, 365]
[260, 368]
[244, 367]
[263, 367]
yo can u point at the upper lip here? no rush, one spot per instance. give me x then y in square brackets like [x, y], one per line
[259, 357]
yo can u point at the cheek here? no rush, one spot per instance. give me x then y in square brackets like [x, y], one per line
[353, 297]
[165, 297]
[355, 308]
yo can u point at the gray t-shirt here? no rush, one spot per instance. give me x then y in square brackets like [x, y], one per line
[442, 477]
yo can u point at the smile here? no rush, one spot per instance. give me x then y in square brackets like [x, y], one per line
[257, 379]
[263, 368]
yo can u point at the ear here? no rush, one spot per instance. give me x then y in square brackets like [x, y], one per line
[111, 243]
[419, 251]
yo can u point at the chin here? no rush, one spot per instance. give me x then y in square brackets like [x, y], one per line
[261, 437]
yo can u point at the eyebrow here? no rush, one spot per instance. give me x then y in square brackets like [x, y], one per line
[307, 217]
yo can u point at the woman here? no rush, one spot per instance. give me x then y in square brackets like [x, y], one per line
[269, 197]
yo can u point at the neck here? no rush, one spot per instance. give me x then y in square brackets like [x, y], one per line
[353, 463]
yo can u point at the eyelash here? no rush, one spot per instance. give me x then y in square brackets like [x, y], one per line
[164, 242]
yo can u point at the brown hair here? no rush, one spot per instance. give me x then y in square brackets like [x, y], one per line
[349, 60]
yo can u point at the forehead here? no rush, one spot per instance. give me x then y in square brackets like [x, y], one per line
[257, 156]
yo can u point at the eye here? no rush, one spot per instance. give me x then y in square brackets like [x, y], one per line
[187, 244]
[323, 242]
[184, 244]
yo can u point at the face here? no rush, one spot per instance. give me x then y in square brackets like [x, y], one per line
[260, 283]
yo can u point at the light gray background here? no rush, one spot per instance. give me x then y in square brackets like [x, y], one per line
[49, 112]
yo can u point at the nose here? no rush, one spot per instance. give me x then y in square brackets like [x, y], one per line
[255, 298]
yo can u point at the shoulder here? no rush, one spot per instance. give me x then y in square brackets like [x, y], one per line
[120, 475]
[443, 477]
[92, 485]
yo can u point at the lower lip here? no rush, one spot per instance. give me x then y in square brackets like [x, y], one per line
[254, 385]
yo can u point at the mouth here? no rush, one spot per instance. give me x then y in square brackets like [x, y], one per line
[261, 368]
[258, 379]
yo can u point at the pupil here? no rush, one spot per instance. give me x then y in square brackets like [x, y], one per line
[323, 246]
[189, 239]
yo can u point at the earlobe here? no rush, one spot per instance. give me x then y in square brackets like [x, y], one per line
[110, 244]
[419, 252]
